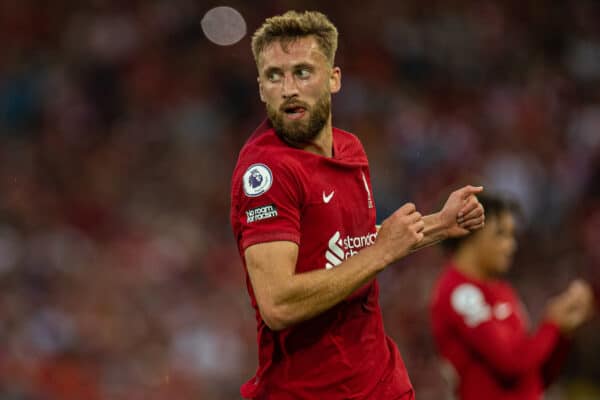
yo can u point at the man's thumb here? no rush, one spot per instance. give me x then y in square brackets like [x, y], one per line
[469, 190]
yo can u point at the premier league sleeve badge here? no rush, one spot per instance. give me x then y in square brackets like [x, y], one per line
[257, 180]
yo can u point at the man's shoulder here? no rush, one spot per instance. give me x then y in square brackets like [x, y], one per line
[450, 278]
[458, 296]
[346, 135]
[348, 143]
[502, 289]
[264, 146]
[262, 140]
[446, 283]
[267, 158]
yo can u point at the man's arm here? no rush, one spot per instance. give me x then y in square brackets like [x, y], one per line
[433, 233]
[285, 298]
[462, 213]
[511, 353]
[553, 365]
[508, 353]
[575, 311]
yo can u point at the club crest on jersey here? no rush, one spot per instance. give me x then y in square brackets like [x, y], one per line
[257, 180]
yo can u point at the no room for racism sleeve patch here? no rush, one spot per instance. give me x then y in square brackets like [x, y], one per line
[260, 213]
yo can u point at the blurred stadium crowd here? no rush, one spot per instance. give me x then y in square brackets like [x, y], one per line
[119, 128]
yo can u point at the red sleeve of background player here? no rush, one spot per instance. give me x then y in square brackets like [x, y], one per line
[508, 352]
[268, 204]
[553, 365]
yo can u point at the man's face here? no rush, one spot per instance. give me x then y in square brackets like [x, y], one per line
[296, 82]
[496, 244]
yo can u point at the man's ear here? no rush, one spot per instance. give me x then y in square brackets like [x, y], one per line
[260, 90]
[335, 80]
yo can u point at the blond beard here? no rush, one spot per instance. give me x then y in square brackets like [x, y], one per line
[297, 132]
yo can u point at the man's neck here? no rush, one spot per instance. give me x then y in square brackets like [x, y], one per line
[466, 262]
[321, 145]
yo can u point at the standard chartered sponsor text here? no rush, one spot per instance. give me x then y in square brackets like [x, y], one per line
[358, 242]
[340, 248]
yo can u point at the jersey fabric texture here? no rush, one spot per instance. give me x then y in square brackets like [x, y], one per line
[481, 329]
[326, 206]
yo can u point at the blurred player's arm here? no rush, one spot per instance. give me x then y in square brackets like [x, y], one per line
[508, 353]
[286, 298]
[512, 354]
[553, 365]
[578, 309]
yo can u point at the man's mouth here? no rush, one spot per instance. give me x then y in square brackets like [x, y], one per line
[294, 112]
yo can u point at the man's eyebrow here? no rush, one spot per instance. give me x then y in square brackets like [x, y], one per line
[304, 65]
[300, 65]
[269, 70]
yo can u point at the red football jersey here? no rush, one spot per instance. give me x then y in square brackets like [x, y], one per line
[326, 206]
[481, 329]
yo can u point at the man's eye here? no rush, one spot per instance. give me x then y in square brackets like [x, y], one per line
[303, 73]
[274, 76]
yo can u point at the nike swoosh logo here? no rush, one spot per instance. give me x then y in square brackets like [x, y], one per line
[327, 198]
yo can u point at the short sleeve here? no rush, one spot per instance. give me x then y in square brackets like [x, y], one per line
[269, 204]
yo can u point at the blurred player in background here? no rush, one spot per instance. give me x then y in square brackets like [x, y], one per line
[480, 326]
[303, 215]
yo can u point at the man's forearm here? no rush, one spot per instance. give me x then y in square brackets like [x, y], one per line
[434, 232]
[311, 293]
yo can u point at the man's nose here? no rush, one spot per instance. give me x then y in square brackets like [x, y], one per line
[289, 88]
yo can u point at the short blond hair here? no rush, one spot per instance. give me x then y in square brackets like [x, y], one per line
[294, 25]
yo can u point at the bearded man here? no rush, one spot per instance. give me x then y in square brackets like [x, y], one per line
[303, 215]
